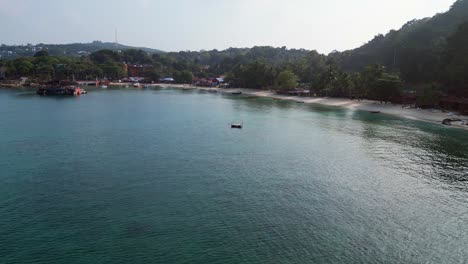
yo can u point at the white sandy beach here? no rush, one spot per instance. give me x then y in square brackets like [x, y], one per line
[426, 115]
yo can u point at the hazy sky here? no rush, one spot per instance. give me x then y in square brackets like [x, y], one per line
[174, 25]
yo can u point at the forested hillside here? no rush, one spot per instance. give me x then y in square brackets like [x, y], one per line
[417, 50]
[427, 58]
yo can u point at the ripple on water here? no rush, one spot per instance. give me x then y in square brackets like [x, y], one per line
[157, 176]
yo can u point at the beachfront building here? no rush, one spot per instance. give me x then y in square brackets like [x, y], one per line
[167, 80]
[299, 92]
[202, 82]
[217, 81]
[132, 80]
[209, 82]
[88, 83]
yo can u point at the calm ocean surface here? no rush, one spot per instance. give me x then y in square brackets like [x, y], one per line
[157, 176]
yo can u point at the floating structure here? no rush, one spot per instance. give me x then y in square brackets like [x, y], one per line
[71, 91]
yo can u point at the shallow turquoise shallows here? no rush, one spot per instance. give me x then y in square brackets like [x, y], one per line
[158, 176]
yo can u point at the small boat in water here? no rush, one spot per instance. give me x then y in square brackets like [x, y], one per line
[236, 93]
[374, 112]
[104, 86]
[300, 102]
[237, 125]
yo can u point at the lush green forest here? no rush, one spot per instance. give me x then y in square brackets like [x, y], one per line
[68, 50]
[426, 58]
[429, 50]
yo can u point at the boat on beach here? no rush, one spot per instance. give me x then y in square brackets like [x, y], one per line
[447, 122]
[457, 121]
[137, 85]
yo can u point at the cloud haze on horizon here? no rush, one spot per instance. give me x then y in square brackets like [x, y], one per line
[210, 24]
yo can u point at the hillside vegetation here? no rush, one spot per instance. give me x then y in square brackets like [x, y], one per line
[426, 58]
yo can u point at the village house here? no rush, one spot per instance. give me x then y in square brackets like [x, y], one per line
[3, 73]
[137, 70]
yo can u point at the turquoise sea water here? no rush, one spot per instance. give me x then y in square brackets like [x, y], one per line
[157, 176]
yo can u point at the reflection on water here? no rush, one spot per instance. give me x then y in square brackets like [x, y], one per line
[157, 176]
[419, 149]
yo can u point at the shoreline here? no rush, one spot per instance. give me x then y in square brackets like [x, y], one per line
[425, 115]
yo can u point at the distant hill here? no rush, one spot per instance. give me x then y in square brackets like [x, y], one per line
[72, 50]
[415, 50]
